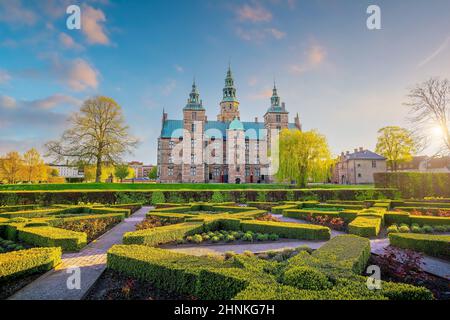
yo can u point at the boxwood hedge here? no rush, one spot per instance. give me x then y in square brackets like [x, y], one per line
[434, 245]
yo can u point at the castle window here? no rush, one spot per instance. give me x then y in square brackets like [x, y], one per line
[374, 164]
[193, 127]
[257, 172]
[247, 172]
[192, 158]
[194, 115]
[193, 171]
[171, 144]
[278, 117]
[192, 143]
[170, 171]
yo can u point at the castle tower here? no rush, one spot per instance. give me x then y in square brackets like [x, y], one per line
[229, 107]
[276, 117]
[236, 152]
[194, 117]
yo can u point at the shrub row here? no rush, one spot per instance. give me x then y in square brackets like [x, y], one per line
[434, 245]
[163, 234]
[25, 262]
[405, 217]
[288, 230]
[53, 237]
[111, 196]
[365, 226]
[415, 184]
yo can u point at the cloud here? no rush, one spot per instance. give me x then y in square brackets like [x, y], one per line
[55, 101]
[435, 53]
[15, 14]
[91, 25]
[4, 76]
[314, 56]
[261, 95]
[169, 87]
[7, 102]
[29, 114]
[68, 42]
[259, 35]
[178, 68]
[77, 74]
[255, 13]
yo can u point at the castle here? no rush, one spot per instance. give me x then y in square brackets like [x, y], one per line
[227, 150]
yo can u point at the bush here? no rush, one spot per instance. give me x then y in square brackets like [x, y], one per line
[306, 278]
[392, 229]
[427, 229]
[53, 237]
[366, 226]
[162, 235]
[262, 237]
[158, 197]
[217, 197]
[247, 237]
[288, 230]
[261, 197]
[273, 237]
[25, 262]
[197, 238]
[404, 229]
[434, 245]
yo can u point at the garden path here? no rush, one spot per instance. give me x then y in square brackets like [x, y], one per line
[91, 261]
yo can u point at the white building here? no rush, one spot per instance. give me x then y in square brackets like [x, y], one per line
[67, 171]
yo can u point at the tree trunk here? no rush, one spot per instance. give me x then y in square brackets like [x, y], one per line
[98, 171]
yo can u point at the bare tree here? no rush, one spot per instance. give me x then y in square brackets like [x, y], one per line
[430, 108]
[98, 135]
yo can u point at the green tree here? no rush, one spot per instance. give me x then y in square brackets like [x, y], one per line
[153, 174]
[97, 135]
[304, 156]
[158, 197]
[121, 171]
[217, 197]
[396, 145]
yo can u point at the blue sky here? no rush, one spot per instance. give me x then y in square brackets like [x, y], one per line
[344, 80]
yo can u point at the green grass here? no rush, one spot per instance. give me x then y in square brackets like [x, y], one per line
[162, 186]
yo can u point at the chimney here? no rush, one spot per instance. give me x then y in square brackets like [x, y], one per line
[347, 152]
[283, 106]
[356, 150]
[361, 149]
[256, 119]
[206, 118]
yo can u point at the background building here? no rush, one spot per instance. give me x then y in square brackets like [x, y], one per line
[67, 171]
[228, 150]
[425, 164]
[141, 170]
[358, 167]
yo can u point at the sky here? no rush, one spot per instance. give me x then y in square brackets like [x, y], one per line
[344, 80]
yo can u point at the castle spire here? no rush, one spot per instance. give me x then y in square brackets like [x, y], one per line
[275, 99]
[194, 101]
[229, 91]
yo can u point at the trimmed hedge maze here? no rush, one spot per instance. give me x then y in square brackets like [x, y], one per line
[32, 238]
[334, 271]
[331, 272]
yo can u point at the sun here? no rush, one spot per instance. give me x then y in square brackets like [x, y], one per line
[437, 131]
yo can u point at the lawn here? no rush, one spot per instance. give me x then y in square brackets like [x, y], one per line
[162, 186]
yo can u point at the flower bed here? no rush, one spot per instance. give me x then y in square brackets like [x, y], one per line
[434, 245]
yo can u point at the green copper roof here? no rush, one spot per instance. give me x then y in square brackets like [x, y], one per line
[194, 102]
[229, 91]
[236, 124]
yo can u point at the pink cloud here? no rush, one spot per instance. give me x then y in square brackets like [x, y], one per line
[314, 56]
[68, 42]
[259, 34]
[92, 25]
[77, 74]
[253, 13]
[4, 76]
[14, 13]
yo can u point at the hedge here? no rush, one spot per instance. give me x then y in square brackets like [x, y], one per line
[175, 272]
[415, 184]
[349, 250]
[280, 209]
[405, 217]
[24, 262]
[433, 245]
[288, 230]
[365, 226]
[53, 237]
[163, 234]
[144, 196]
